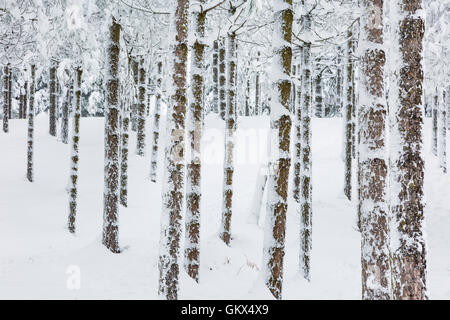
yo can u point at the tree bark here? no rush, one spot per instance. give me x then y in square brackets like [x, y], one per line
[52, 95]
[408, 245]
[112, 134]
[156, 122]
[5, 99]
[140, 149]
[30, 139]
[173, 188]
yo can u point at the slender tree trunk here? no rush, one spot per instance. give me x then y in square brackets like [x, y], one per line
[435, 115]
[222, 79]
[124, 138]
[257, 91]
[297, 134]
[373, 159]
[112, 134]
[73, 193]
[173, 188]
[10, 94]
[442, 132]
[135, 106]
[348, 147]
[65, 117]
[215, 69]
[52, 94]
[30, 139]
[21, 104]
[195, 127]
[306, 167]
[247, 98]
[407, 171]
[5, 99]
[274, 237]
[25, 99]
[140, 150]
[156, 122]
[318, 99]
[230, 129]
[339, 82]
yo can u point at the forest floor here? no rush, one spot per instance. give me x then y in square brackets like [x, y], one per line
[39, 259]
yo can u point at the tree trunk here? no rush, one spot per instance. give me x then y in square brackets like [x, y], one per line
[140, 149]
[348, 89]
[373, 159]
[10, 95]
[173, 188]
[135, 106]
[435, 115]
[65, 117]
[73, 193]
[442, 132]
[5, 99]
[274, 238]
[25, 100]
[52, 95]
[195, 127]
[156, 122]
[408, 245]
[215, 69]
[30, 139]
[124, 138]
[230, 129]
[112, 134]
[222, 79]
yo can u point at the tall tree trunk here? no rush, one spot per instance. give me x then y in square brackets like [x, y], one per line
[173, 188]
[348, 90]
[215, 69]
[222, 79]
[442, 132]
[21, 104]
[230, 129]
[30, 139]
[156, 123]
[306, 157]
[124, 138]
[140, 149]
[339, 82]
[5, 99]
[195, 127]
[135, 106]
[373, 158]
[112, 134]
[52, 94]
[65, 117]
[25, 100]
[297, 134]
[274, 237]
[73, 193]
[10, 94]
[257, 110]
[408, 245]
[318, 99]
[435, 115]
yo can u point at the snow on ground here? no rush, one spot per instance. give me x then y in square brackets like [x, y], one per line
[39, 259]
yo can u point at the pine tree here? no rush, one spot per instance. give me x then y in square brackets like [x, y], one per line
[30, 138]
[112, 134]
[407, 162]
[274, 240]
[173, 188]
[373, 158]
[156, 123]
[74, 157]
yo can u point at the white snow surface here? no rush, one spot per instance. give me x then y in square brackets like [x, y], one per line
[39, 259]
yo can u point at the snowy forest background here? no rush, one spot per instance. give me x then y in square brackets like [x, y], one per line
[224, 149]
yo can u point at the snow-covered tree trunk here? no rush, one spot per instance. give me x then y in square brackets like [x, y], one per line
[257, 110]
[215, 70]
[373, 157]
[173, 188]
[434, 115]
[297, 133]
[140, 149]
[222, 79]
[195, 127]
[156, 122]
[10, 94]
[318, 99]
[30, 138]
[65, 117]
[124, 138]
[25, 99]
[407, 170]
[274, 236]
[21, 104]
[5, 99]
[52, 95]
[442, 132]
[339, 85]
[247, 98]
[112, 134]
[135, 105]
[74, 157]
[348, 93]
[306, 157]
[230, 129]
